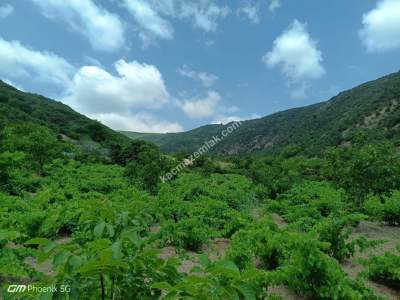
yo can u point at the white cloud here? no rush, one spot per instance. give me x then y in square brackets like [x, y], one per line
[139, 122]
[198, 108]
[151, 24]
[381, 27]
[116, 100]
[274, 5]
[153, 17]
[224, 119]
[94, 90]
[19, 61]
[298, 57]
[206, 79]
[103, 29]
[250, 11]
[296, 53]
[204, 14]
[12, 83]
[6, 10]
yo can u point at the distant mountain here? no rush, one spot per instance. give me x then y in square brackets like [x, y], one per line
[374, 106]
[17, 106]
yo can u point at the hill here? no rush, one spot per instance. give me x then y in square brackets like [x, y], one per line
[17, 106]
[374, 106]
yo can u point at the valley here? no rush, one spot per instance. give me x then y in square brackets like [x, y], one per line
[316, 216]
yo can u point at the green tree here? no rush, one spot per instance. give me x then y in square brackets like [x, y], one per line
[38, 143]
[361, 170]
[144, 164]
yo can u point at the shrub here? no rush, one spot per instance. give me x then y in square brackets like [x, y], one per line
[309, 200]
[386, 209]
[384, 269]
[315, 275]
[336, 231]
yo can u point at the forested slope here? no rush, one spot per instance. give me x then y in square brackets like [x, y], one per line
[374, 106]
[20, 107]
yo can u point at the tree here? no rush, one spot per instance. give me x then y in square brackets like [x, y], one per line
[361, 170]
[38, 143]
[144, 164]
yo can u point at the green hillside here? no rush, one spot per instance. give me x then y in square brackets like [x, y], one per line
[21, 107]
[142, 225]
[374, 106]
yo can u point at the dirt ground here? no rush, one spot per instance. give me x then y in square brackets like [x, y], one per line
[374, 231]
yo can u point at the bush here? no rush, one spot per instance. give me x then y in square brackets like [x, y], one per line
[386, 209]
[39, 144]
[310, 200]
[384, 269]
[391, 209]
[315, 275]
[262, 243]
[336, 231]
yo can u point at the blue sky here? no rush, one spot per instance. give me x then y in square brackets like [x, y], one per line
[173, 65]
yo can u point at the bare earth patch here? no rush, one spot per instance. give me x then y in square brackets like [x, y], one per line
[279, 220]
[46, 267]
[216, 250]
[284, 292]
[374, 231]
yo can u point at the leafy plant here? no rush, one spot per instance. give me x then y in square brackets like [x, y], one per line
[384, 269]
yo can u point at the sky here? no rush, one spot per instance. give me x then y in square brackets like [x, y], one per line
[174, 65]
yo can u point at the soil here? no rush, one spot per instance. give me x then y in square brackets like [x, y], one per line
[374, 231]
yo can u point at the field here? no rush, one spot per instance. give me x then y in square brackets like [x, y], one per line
[285, 226]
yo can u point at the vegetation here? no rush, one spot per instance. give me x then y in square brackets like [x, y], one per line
[98, 221]
[384, 269]
[373, 107]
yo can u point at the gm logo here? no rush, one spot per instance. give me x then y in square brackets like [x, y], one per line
[16, 288]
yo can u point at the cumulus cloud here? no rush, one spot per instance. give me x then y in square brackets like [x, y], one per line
[103, 29]
[381, 27]
[206, 79]
[198, 108]
[274, 5]
[296, 53]
[94, 90]
[6, 10]
[250, 11]
[117, 100]
[139, 122]
[298, 57]
[19, 61]
[151, 24]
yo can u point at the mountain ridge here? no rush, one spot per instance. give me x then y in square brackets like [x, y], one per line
[374, 105]
[21, 107]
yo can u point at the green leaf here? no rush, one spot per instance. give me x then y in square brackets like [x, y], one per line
[38, 241]
[109, 267]
[99, 228]
[75, 261]
[247, 291]
[117, 250]
[110, 230]
[7, 235]
[227, 268]
[164, 286]
[60, 258]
